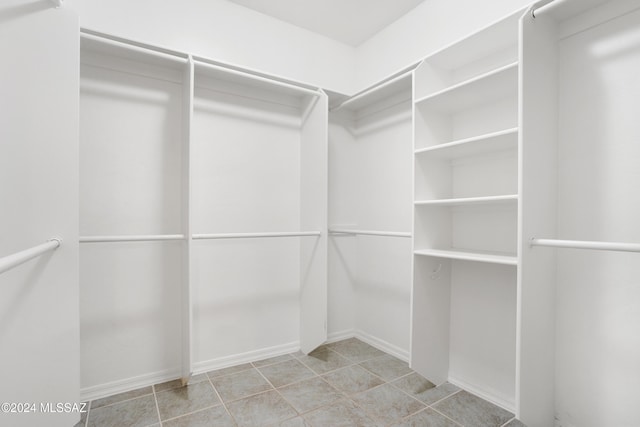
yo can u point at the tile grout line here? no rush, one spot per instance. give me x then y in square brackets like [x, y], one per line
[86, 420]
[280, 394]
[331, 370]
[445, 415]
[384, 382]
[187, 413]
[445, 398]
[155, 399]
[222, 402]
[126, 400]
[507, 423]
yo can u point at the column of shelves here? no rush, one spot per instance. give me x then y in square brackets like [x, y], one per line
[466, 214]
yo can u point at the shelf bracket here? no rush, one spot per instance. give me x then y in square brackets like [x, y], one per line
[57, 3]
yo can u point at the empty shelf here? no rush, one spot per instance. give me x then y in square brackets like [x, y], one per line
[488, 257]
[488, 143]
[488, 87]
[510, 198]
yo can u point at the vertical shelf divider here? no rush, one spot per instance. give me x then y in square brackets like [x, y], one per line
[187, 264]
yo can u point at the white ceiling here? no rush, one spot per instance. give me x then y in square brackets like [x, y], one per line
[349, 21]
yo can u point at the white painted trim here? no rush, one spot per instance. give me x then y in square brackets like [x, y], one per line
[488, 395]
[250, 356]
[128, 384]
[385, 346]
[340, 335]
[371, 340]
[121, 386]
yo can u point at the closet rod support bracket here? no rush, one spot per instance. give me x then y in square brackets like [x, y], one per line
[57, 3]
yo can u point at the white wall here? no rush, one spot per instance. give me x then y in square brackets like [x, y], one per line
[427, 28]
[225, 32]
[598, 293]
[39, 336]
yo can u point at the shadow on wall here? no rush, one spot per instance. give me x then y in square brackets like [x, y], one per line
[12, 13]
[23, 290]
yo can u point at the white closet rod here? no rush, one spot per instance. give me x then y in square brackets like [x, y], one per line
[369, 232]
[10, 261]
[541, 4]
[255, 235]
[371, 90]
[145, 50]
[582, 244]
[131, 238]
[199, 62]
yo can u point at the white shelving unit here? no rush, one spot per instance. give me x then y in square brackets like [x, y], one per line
[133, 213]
[259, 199]
[466, 214]
[579, 180]
[176, 200]
[370, 149]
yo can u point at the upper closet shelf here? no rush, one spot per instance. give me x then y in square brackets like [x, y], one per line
[482, 144]
[106, 45]
[206, 68]
[383, 90]
[561, 10]
[483, 89]
[499, 36]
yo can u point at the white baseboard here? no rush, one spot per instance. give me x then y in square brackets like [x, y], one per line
[340, 335]
[371, 340]
[120, 386]
[111, 388]
[250, 356]
[383, 345]
[488, 395]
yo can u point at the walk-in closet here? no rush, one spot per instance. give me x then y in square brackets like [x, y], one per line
[300, 213]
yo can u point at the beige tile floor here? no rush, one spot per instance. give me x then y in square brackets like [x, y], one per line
[347, 383]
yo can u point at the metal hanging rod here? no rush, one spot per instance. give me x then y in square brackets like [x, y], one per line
[131, 238]
[255, 235]
[539, 5]
[369, 232]
[582, 244]
[201, 63]
[10, 261]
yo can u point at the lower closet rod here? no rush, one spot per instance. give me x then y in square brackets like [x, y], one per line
[583, 244]
[14, 260]
[255, 235]
[131, 238]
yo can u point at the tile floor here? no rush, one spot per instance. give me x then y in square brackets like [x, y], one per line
[347, 383]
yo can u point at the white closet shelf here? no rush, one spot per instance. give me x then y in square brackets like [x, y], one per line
[497, 36]
[104, 44]
[256, 235]
[466, 201]
[131, 238]
[483, 89]
[478, 256]
[482, 144]
[369, 232]
[383, 90]
[228, 73]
